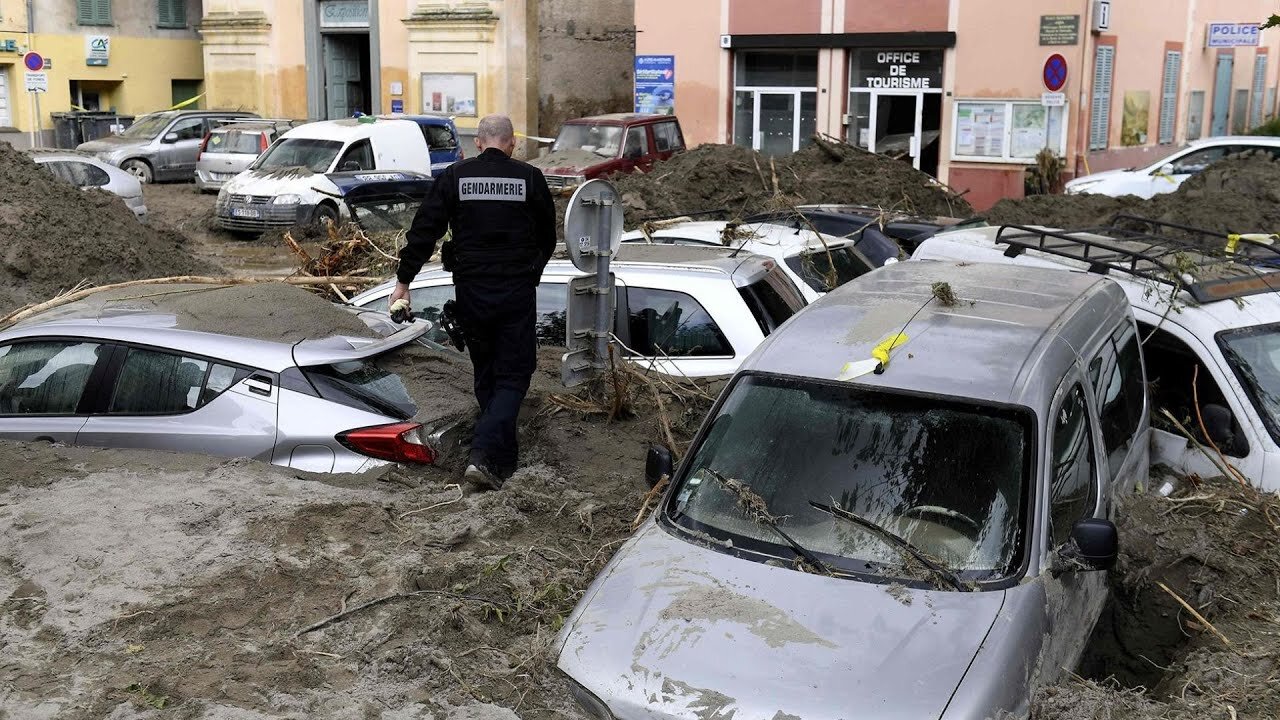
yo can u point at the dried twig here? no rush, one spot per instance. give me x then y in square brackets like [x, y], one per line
[654, 493]
[1196, 614]
[455, 486]
[378, 601]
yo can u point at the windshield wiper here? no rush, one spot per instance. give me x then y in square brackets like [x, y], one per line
[755, 508]
[893, 539]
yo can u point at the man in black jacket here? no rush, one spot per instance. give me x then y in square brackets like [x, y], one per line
[503, 221]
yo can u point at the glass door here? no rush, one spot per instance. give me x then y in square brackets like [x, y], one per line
[895, 125]
[775, 121]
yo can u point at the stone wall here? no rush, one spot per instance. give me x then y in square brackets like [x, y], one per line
[586, 51]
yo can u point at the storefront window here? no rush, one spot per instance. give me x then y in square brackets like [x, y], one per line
[777, 69]
[895, 105]
[775, 100]
[1007, 131]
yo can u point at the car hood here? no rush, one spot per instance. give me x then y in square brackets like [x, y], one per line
[569, 162]
[109, 143]
[278, 182]
[1099, 176]
[675, 630]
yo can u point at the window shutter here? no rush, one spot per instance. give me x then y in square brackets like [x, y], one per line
[1259, 87]
[173, 13]
[1100, 118]
[1169, 95]
[85, 12]
[102, 13]
[164, 15]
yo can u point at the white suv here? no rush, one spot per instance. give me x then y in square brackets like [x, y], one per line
[1164, 176]
[681, 310]
[1218, 322]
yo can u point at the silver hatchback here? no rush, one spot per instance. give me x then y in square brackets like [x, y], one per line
[124, 375]
[230, 149]
[892, 533]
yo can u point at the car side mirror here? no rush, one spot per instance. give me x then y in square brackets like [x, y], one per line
[1094, 545]
[657, 465]
[1167, 169]
[171, 137]
[1222, 429]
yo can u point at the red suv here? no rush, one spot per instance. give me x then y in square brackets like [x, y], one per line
[593, 147]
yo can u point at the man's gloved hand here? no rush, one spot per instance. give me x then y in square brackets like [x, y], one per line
[400, 312]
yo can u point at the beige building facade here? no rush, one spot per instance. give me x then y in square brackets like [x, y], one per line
[959, 87]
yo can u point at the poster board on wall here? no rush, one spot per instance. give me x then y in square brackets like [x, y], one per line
[449, 93]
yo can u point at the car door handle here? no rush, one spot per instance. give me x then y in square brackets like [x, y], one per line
[259, 385]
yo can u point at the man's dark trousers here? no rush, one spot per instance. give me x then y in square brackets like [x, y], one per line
[499, 317]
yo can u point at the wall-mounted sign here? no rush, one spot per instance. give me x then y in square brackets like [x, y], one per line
[97, 50]
[1055, 72]
[1232, 35]
[897, 69]
[37, 81]
[1053, 99]
[655, 84]
[1059, 29]
[344, 13]
[9, 45]
[451, 93]
[1101, 15]
[397, 105]
[33, 61]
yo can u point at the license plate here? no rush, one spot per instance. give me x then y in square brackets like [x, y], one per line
[246, 213]
[220, 176]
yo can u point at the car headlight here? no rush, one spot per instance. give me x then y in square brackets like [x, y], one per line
[587, 700]
[1081, 186]
[287, 199]
[576, 179]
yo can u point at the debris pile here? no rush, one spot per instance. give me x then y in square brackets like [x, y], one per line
[1191, 629]
[57, 236]
[1238, 194]
[356, 259]
[741, 182]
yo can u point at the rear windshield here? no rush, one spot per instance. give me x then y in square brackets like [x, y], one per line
[825, 270]
[772, 300]
[234, 141]
[363, 385]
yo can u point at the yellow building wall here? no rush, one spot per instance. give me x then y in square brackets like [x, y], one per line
[136, 80]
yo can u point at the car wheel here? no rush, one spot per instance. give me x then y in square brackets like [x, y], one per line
[325, 212]
[138, 169]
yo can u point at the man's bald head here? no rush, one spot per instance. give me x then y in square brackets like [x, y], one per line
[496, 131]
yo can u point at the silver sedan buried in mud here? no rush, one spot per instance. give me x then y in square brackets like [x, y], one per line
[912, 541]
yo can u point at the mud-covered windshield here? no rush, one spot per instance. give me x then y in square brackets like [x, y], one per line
[147, 127]
[1254, 355]
[948, 477]
[603, 140]
[315, 155]
[825, 270]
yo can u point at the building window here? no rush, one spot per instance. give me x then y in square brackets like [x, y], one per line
[93, 12]
[172, 14]
[775, 100]
[1195, 114]
[1100, 117]
[1271, 102]
[6, 120]
[1240, 112]
[1169, 95]
[1259, 82]
[1009, 131]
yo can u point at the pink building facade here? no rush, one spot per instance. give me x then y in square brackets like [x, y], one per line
[964, 89]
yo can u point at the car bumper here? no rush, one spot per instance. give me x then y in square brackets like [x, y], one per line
[261, 218]
[209, 180]
[138, 205]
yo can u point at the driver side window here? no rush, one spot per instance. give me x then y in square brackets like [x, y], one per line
[1192, 163]
[636, 145]
[1073, 492]
[188, 129]
[361, 154]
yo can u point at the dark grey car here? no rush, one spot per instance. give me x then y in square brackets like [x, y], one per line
[160, 146]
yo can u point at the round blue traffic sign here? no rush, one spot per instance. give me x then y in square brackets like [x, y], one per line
[34, 61]
[1055, 72]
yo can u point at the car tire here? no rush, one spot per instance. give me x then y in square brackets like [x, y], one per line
[323, 211]
[139, 169]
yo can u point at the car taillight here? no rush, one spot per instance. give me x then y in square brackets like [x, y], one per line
[203, 144]
[397, 442]
[262, 143]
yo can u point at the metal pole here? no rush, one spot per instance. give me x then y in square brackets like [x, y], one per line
[38, 136]
[604, 247]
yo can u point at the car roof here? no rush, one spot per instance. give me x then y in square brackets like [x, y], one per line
[39, 154]
[247, 127]
[618, 118]
[1236, 139]
[999, 343]
[342, 130]
[437, 120]
[758, 237]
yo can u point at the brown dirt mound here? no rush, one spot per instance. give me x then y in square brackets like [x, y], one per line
[741, 181]
[1238, 194]
[57, 235]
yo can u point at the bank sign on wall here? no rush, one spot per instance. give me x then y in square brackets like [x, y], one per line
[897, 69]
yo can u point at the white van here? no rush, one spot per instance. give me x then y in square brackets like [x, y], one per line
[286, 185]
[1202, 313]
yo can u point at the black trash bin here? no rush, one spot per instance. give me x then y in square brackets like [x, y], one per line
[94, 125]
[66, 130]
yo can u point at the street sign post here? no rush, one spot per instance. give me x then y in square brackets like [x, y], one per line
[592, 232]
[1055, 72]
[33, 61]
[36, 81]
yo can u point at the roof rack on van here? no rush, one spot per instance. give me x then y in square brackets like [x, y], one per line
[1179, 262]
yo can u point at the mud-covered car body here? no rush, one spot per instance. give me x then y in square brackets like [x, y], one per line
[1217, 325]
[122, 374]
[880, 233]
[160, 146]
[692, 311]
[85, 171]
[380, 201]
[981, 443]
[599, 146]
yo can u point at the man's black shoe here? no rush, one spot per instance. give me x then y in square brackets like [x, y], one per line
[479, 473]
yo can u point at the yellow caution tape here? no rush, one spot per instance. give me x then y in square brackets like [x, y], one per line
[1233, 240]
[876, 363]
[881, 351]
[535, 137]
[185, 103]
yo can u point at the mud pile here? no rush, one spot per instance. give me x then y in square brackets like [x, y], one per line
[148, 585]
[56, 235]
[741, 182]
[1238, 194]
[1217, 546]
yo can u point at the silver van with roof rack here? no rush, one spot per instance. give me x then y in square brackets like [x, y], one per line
[906, 527]
[682, 310]
[1209, 315]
